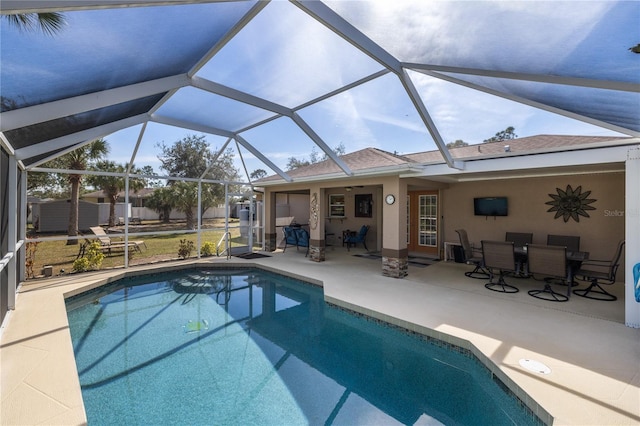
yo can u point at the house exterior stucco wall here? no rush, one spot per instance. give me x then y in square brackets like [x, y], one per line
[599, 233]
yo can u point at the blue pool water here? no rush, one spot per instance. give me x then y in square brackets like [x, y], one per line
[250, 347]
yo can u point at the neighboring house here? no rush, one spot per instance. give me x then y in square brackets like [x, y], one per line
[136, 199]
[429, 200]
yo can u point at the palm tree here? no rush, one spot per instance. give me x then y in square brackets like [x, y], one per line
[79, 159]
[112, 185]
[49, 23]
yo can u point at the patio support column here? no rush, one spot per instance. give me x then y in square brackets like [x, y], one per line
[395, 255]
[22, 226]
[12, 208]
[270, 230]
[317, 214]
[632, 237]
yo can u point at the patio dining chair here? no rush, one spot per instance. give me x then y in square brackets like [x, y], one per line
[499, 258]
[572, 243]
[472, 257]
[597, 273]
[520, 240]
[548, 262]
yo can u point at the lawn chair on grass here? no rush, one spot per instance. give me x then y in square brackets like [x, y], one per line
[108, 244]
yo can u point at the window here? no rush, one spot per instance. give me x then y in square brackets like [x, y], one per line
[336, 205]
[427, 220]
[408, 219]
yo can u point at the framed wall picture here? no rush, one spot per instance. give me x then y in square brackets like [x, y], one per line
[364, 204]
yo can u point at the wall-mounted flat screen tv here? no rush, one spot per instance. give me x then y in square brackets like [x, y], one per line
[490, 206]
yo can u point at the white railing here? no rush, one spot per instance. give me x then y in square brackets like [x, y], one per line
[225, 239]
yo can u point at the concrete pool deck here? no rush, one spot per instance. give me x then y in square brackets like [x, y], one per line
[593, 357]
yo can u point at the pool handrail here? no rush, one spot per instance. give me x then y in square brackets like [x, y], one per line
[225, 238]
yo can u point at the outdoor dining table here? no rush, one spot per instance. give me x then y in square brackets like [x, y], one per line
[574, 260]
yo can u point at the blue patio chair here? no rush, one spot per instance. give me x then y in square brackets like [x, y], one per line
[296, 236]
[289, 237]
[303, 239]
[360, 237]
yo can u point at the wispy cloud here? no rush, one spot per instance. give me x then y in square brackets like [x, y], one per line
[473, 33]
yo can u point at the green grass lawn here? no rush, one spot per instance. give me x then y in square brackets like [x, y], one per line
[61, 256]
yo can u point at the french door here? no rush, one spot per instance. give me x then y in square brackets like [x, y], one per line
[422, 215]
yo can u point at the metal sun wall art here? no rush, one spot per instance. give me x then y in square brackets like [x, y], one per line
[570, 203]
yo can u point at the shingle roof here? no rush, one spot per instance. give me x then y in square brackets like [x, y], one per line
[538, 143]
[368, 158]
[373, 158]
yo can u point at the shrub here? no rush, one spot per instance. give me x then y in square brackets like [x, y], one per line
[95, 255]
[185, 248]
[81, 264]
[207, 249]
[91, 260]
[30, 258]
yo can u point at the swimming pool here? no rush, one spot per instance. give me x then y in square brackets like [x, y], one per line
[248, 346]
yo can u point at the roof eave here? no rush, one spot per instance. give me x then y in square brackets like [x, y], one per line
[404, 169]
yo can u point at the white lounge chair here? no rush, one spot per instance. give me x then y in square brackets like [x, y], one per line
[108, 244]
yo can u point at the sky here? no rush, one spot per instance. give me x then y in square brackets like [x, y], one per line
[285, 57]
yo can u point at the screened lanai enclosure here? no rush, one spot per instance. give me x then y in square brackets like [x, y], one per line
[260, 83]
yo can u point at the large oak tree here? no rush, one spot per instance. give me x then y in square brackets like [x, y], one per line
[191, 157]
